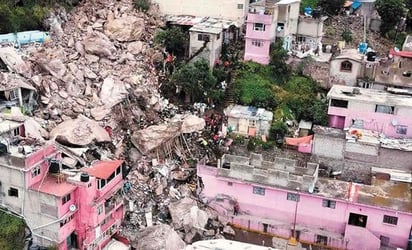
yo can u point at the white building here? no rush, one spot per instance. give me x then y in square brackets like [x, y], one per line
[235, 10]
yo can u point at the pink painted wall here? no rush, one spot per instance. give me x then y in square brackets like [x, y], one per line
[66, 230]
[39, 155]
[373, 121]
[275, 206]
[254, 53]
[64, 208]
[360, 238]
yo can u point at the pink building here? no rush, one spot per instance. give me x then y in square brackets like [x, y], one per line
[267, 21]
[63, 206]
[376, 110]
[286, 200]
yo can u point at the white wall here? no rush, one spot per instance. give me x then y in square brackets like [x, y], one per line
[342, 77]
[11, 178]
[213, 49]
[227, 9]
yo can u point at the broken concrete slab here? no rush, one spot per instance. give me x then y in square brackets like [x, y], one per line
[13, 61]
[192, 123]
[81, 131]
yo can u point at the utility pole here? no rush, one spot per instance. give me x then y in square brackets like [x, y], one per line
[292, 241]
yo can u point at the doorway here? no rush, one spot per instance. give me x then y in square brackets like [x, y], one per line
[72, 240]
[265, 227]
[357, 220]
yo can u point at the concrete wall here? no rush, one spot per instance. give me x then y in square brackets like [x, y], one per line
[12, 178]
[379, 122]
[205, 8]
[326, 146]
[343, 77]
[274, 209]
[397, 159]
[213, 48]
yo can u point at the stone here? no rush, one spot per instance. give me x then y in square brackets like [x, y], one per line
[135, 47]
[125, 28]
[229, 230]
[91, 58]
[79, 48]
[89, 74]
[98, 44]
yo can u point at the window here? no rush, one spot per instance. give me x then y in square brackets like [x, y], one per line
[346, 66]
[301, 39]
[203, 37]
[390, 220]
[35, 171]
[65, 199]
[384, 241]
[320, 239]
[401, 129]
[16, 131]
[101, 183]
[357, 220]
[13, 192]
[257, 43]
[218, 36]
[357, 123]
[259, 27]
[384, 109]
[100, 209]
[367, 85]
[66, 220]
[252, 123]
[13, 94]
[292, 197]
[118, 170]
[259, 190]
[230, 183]
[240, 6]
[329, 203]
[339, 103]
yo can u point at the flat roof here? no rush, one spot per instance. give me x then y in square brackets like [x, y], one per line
[333, 132]
[103, 169]
[6, 125]
[350, 54]
[223, 244]
[212, 25]
[287, 2]
[369, 96]
[51, 185]
[381, 193]
[183, 19]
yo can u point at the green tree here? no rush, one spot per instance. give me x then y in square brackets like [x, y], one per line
[390, 12]
[172, 38]
[308, 3]
[278, 56]
[253, 86]
[11, 232]
[332, 7]
[196, 81]
[320, 112]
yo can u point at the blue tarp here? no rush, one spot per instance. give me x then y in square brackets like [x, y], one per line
[356, 5]
[25, 37]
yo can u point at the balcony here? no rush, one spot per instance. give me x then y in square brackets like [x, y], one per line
[113, 202]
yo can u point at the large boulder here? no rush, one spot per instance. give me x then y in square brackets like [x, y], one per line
[125, 28]
[158, 237]
[81, 131]
[98, 44]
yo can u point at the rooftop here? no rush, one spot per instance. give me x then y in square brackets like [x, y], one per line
[103, 169]
[396, 73]
[350, 54]
[10, 81]
[223, 244]
[51, 185]
[333, 132]
[381, 193]
[370, 96]
[212, 25]
[201, 24]
[281, 172]
[248, 112]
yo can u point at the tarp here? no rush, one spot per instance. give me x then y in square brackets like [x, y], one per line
[299, 140]
[356, 5]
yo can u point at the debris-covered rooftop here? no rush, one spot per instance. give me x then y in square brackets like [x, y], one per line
[248, 112]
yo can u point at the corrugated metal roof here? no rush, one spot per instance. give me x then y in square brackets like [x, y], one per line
[103, 169]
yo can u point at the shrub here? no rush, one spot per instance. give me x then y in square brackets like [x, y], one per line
[142, 5]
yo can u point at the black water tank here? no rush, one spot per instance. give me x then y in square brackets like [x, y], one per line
[317, 12]
[84, 177]
[371, 56]
[226, 165]
[54, 167]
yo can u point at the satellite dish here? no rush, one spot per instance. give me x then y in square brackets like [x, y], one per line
[72, 208]
[394, 122]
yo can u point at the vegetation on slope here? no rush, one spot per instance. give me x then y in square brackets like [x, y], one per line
[11, 232]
